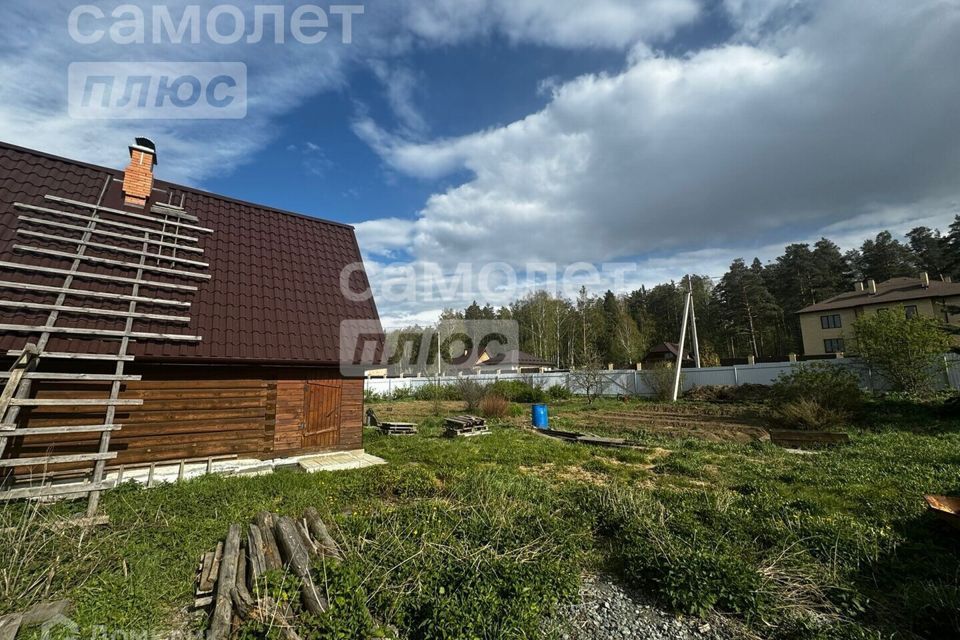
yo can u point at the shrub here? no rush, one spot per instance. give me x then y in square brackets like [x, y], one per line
[517, 391]
[494, 406]
[660, 380]
[471, 392]
[810, 415]
[903, 350]
[433, 391]
[816, 395]
[401, 393]
[745, 393]
[559, 392]
[370, 397]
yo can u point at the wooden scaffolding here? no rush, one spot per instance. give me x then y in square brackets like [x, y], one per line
[154, 250]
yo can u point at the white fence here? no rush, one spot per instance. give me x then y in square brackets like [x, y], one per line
[630, 382]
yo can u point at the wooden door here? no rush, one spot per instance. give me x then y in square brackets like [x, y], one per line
[321, 414]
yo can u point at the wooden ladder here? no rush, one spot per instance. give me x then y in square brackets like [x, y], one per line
[163, 243]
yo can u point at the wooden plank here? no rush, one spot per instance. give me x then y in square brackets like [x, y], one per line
[87, 377]
[20, 304]
[222, 618]
[83, 428]
[108, 222]
[104, 333]
[47, 460]
[52, 490]
[110, 247]
[113, 263]
[66, 402]
[9, 625]
[85, 293]
[109, 234]
[86, 275]
[170, 209]
[62, 355]
[14, 377]
[119, 212]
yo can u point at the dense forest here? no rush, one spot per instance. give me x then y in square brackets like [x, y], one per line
[751, 309]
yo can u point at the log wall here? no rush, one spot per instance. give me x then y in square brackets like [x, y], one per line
[194, 412]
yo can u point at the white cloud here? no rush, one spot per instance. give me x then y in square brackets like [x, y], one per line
[565, 23]
[846, 113]
[384, 236]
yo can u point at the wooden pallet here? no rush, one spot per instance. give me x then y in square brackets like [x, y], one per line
[157, 238]
[390, 428]
[465, 427]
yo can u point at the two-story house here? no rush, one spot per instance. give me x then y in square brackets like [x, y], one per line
[827, 327]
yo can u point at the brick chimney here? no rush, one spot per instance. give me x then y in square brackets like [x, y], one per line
[138, 176]
[858, 286]
[872, 286]
[925, 280]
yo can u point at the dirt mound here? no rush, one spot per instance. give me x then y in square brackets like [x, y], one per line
[729, 393]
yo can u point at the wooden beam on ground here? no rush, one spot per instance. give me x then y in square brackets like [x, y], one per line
[222, 618]
[296, 556]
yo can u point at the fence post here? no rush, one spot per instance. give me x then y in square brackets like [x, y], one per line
[736, 378]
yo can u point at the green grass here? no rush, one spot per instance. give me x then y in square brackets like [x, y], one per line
[482, 537]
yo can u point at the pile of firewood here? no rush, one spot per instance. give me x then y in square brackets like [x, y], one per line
[229, 577]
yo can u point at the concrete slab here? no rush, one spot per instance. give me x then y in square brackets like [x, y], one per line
[339, 461]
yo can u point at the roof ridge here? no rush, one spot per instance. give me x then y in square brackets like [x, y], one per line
[172, 185]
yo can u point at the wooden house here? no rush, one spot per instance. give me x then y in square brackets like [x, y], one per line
[142, 321]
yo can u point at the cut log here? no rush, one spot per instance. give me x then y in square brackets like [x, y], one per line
[296, 556]
[328, 545]
[243, 604]
[271, 551]
[44, 612]
[208, 579]
[308, 543]
[280, 618]
[255, 556]
[9, 625]
[220, 622]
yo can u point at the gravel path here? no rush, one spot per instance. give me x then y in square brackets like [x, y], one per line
[608, 611]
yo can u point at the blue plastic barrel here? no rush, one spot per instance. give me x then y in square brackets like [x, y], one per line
[540, 418]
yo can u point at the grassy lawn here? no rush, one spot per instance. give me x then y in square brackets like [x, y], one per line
[482, 537]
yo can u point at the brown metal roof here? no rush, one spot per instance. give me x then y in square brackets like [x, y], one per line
[274, 295]
[516, 358]
[893, 291]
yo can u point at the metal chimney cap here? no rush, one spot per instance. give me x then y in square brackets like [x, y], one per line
[146, 145]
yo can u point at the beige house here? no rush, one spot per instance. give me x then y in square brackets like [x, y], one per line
[827, 327]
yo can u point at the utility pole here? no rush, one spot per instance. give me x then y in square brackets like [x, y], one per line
[683, 335]
[693, 325]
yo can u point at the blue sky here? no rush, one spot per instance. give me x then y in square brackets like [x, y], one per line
[673, 135]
